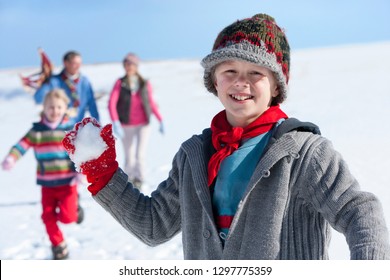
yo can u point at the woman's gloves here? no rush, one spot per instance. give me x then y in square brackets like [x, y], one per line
[92, 149]
[161, 128]
[118, 130]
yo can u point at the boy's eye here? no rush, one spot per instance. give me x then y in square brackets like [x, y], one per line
[256, 73]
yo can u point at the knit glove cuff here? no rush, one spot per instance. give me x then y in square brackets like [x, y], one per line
[92, 149]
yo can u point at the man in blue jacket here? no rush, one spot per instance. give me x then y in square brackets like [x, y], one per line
[77, 87]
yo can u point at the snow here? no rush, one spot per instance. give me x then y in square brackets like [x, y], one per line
[84, 151]
[343, 90]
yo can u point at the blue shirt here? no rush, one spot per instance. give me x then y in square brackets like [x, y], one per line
[234, 174]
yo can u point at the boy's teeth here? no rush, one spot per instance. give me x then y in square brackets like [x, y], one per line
[241, 97]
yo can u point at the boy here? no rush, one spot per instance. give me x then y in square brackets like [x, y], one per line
[257, 184]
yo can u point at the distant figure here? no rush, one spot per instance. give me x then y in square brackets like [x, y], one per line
[130, 105]
[77, 87]
[55, 172]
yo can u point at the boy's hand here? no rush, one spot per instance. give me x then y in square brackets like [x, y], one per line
[92, 149]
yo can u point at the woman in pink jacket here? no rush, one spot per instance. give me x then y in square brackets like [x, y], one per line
[131, 104]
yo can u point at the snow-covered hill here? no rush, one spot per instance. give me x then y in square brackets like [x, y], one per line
[344, 90]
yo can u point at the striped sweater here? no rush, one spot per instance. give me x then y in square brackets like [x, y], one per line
[54, 167]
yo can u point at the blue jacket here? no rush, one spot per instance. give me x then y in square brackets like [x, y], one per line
[84, 91]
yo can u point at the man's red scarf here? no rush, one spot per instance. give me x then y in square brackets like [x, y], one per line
[226, 139]
[72, 86]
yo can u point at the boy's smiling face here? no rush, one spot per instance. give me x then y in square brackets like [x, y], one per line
[245, 90]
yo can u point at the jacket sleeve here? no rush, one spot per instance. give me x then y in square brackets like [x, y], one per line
[153, 104]
[153, 219]
[336, 194]
[19, 149]
[87, 101]
[39, 95]
[112, 102]
[92, 107]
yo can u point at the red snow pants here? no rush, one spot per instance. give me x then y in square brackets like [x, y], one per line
[59, 204]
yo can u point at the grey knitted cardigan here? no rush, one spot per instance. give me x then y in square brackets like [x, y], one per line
[301, 186]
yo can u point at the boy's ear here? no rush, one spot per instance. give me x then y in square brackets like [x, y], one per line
[215, 84]
[275, 92]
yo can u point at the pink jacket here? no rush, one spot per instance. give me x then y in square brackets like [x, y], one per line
[137, 113]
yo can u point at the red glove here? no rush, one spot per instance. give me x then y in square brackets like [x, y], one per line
[99, 165]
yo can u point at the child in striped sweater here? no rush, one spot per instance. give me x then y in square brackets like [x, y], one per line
[55, 172]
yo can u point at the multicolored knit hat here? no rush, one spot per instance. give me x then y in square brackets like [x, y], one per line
[257, 40]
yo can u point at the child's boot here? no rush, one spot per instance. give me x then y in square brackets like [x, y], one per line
[60, 252]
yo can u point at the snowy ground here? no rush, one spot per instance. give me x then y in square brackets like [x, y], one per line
[344, 90]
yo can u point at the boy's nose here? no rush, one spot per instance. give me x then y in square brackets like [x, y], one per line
[241, 81]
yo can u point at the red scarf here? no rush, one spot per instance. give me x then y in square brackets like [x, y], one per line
[72, 86]
[226, 139]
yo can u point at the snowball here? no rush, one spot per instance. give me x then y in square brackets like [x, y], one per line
[88, 144]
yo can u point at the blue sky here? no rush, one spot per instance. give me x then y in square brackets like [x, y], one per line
[104, 31]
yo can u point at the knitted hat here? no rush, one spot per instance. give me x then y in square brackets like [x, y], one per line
[132, 58]
[257, 40]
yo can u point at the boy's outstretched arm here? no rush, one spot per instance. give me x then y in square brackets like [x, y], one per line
[152, 219]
